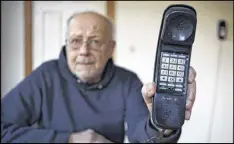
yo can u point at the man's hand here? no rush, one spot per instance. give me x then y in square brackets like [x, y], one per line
[148, 91]
[87, 136]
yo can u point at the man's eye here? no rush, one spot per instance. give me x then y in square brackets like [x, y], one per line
[94, 42]
[76, 41]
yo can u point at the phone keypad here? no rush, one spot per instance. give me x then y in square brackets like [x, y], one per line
[165, 66]
[181, 61]
[173, 60]
[164, 72]
[165, 60]
[171, 79]
[172, 72]
[172, 67]
[180, 74]
[180, 68]
[179, 79]
[163, 78]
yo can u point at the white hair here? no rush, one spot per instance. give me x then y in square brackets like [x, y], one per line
[109, 22]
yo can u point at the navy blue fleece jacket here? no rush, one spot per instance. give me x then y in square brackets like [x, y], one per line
[52, 97]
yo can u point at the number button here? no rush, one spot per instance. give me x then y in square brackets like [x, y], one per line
[172, 67]
[165, 60]
[174, 55]
[180, 67]
[171, 79]
[164, 72]
[163, 84]
[179, 86]
[182, 56]
[181, 61]
[162, 88]
[180, 74]
[165, 54]
[165, 66]
[173, 60]
[171, 85]
[180, 80]
[163, 78]
[172, 73]
[178, 89]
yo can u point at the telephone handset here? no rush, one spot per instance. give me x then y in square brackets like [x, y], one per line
[171, 69]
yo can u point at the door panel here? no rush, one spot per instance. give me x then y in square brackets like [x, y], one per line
[49, 25]
[138, 25]
[52, 36]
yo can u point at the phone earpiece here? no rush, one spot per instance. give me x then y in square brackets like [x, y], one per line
[180, 28]
[178, 25]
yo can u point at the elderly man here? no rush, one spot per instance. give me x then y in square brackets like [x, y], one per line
[83, 96]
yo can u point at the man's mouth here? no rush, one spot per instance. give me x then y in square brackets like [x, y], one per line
[85, 63]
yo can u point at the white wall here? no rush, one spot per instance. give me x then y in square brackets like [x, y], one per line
[221, 126]
[12, 44]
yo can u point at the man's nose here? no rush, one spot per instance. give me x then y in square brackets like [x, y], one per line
[84, 49]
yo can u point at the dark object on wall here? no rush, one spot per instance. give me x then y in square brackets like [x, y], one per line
[222, 29]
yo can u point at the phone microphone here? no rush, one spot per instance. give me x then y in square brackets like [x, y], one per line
[171, 68]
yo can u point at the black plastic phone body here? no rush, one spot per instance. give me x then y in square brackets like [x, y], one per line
[171, 69]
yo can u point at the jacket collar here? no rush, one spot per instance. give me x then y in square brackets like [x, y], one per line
[107, 75]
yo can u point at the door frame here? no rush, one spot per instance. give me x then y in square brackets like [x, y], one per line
[110, 10]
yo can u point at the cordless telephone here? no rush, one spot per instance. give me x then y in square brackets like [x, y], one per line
[171, 69]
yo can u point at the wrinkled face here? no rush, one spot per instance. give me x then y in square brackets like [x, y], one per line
[89, 46]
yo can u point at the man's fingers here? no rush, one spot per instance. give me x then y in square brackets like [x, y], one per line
[192, 74]
[190, 99]
[148, 91]
[189, 104]
[191, 92]
[187, 114]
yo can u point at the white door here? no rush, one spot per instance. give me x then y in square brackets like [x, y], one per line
[138, 25]
[49, 25]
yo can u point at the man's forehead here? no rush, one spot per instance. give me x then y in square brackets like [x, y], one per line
[89, 23]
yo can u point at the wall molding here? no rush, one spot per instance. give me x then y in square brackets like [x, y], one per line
[28, 37]
[110, 10]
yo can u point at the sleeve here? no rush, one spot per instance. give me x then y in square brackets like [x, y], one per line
[139, 127]
[21, 108]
